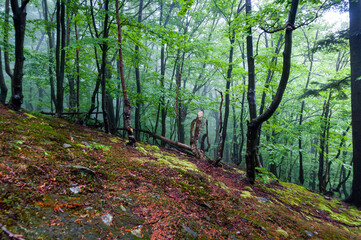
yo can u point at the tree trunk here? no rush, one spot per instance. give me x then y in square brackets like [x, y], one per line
[195, 133]
[6, 39]
[103, 69]
[300, 150]
[50, 53]
[3, 88]
[226, 104]
[256, 122]
[355, 50]
[137, 79]
[60, 55]
[77, 63]
[323, 141]
[127, 106]
[19, 17]
[71, 75]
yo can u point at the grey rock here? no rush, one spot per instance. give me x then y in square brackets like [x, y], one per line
[190, 231]
[137, 232]
[310, 234]
[263, 200]
[75, 189]
[107, 219]
[66, 145]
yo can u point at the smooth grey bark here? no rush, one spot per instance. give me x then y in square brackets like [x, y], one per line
[6, 40]
[3, 88]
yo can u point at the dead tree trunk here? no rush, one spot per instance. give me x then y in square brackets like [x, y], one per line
[195, 135]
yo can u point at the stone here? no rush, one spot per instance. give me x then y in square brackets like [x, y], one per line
[66, 145]
[107, 219]
[190, 231]
[310, 234]
[137, 232]
[123, 208]
[75, 189]
[263, 200]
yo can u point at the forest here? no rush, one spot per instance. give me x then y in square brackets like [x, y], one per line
[268, 85]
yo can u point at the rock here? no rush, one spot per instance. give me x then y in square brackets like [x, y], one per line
[137, 232]
[75, 189]
[207, 217]
[66, 145]
[123, 208]
[190, 231]
[310, 234]
[244, 220]
[282, 232]
[263, 200]
[107, 219]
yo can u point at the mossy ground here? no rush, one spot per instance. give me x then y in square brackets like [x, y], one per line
[150, 193]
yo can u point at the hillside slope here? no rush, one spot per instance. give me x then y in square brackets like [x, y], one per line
[63, 181]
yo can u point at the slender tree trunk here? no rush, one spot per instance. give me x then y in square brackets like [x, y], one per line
[127, 106]
[355, 50]
[323, 141]
[162, 105]
[6, 40]
[60, 56]
[71, 76]
[50, 53]
[228, 85]
[3, 88]
[137, 79]
[103, 69]
[77, 63]
[19, 17]
[300, 122]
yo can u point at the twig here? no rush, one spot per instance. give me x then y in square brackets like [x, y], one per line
[10, 234]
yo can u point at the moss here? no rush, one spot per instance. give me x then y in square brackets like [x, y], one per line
[142, 150]
[155, 148]
[248, 188]
[175, 162]
[29, 116]
[114, 140]
[246, 194]
[222, 185]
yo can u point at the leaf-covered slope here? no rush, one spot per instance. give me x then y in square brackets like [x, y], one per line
[63, 181]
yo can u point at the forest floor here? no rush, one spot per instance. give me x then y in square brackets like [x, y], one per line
[59, 180]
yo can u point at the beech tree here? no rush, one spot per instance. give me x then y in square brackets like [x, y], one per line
[255, 122]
